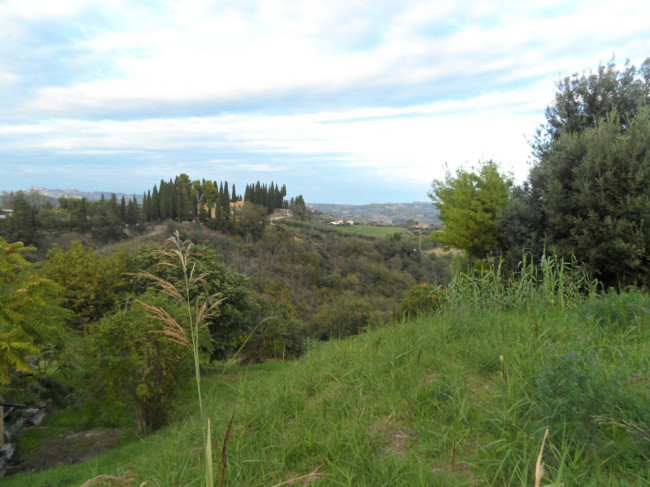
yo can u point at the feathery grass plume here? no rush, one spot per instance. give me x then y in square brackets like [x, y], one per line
[539, 466]
[181, 255]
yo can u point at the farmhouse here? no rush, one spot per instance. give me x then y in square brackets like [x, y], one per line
[341, 221]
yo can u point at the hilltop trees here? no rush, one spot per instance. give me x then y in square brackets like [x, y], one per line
[215, 204]
[21, 226]
[271, 197]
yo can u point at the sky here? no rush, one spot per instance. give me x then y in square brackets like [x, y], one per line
[344, 101]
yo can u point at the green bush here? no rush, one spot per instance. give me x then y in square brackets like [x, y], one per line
[421, 300]
[594, 388]
[130, 365]
[618, 310]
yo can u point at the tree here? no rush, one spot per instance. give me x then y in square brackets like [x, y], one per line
[21, 226]
[91, 282]
[227, 323]
[299, 209]
[80, 216]
[132, 212]
[582, 100]
[106, 225]
[521, 226]
[597, 197]
[590, 174]
[469, 203]
[251, 220]
[31, 319]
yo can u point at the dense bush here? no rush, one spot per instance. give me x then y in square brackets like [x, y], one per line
[128, 364]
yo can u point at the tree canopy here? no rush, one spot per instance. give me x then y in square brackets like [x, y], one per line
[31, 319]
[587, 192]
[469, 202]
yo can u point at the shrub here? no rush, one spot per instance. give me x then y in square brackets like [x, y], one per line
[130, 365]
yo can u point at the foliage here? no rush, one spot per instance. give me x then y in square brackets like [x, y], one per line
[91, 282]
[228, 321]
[344, 314]
[452, 399]
[31, 319]
[128, 362]
[469, 202]
[21, 225]
[582, 100]
[422, 300]
[520, 226]
[250, 221]
[597, 197]
[298, 208]
[587, 192]
[279, 334]
[107, 225]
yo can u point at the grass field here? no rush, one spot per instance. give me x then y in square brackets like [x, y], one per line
[460, 398]
[369, 230]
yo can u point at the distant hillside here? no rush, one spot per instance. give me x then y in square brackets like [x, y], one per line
[41, 196]
[73, 193]
[383, 214]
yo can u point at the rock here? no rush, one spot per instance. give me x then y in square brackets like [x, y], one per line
[38, 417]
[12, 429]
[6, 453]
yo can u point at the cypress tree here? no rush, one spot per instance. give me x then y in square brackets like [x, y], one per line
[155, 205]
[122, 214]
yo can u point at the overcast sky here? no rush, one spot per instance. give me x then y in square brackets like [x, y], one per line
[344, 101]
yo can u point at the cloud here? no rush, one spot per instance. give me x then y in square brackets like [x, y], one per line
[382, 90]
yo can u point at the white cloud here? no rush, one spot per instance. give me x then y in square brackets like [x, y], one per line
[38, 9]
[394, 88]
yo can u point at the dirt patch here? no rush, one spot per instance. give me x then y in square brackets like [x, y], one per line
[395, 436]
[69, 449]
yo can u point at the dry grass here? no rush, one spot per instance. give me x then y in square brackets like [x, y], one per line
[394, 434]
[539, 466]
[124, 480]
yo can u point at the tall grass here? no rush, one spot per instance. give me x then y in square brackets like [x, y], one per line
[180, 255]
[551, 281]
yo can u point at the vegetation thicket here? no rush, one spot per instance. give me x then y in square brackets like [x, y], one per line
[463, 397]
[587, 193]
[522, 362]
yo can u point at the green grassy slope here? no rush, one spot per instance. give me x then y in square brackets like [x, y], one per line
[457, 399]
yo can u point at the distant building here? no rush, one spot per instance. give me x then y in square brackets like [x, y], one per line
[418, 229]
[234, 205]
[4, 213]
[341, 221]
